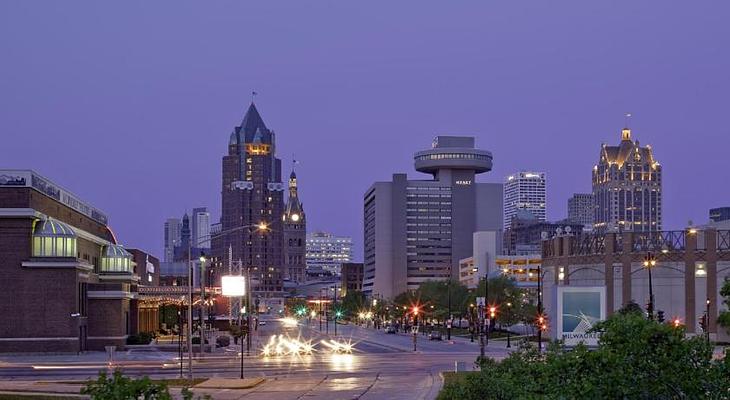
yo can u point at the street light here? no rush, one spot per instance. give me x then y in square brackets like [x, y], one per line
[707, 319]
[649, 264]
[234, 286]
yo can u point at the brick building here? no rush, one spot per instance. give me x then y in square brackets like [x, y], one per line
[69, 285]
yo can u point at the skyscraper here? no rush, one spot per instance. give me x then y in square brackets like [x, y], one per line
[295, 232]
[581, 209]
[172, 238]
[524, 191]
[627, 187]
[201, 228]
[418, 230]
[252, 195]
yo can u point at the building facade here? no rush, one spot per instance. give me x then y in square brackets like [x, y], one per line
[720, 214]
[295, 235]
[351, 278]
[691, 267]
[73, 285]
[326, 253]
[201, 228]
[418, 230]
[524, 191]
[173, 234]
[252, 197]
[627, 188]
[525, 234]
[581, 209]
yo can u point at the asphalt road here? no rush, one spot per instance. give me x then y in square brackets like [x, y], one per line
[380, 363]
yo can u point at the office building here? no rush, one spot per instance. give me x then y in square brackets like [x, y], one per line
[524, 191]
[351, 277]
[627, 188]
[326, 253]
[720, 214]
[581, 209]
[295, 235]
[418, 230]
[253, 209]
[201, 228]
[690, 269]
[526, 233]
[69, 285]
[172, 238]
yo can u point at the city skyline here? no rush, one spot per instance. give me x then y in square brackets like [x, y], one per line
[170, 115]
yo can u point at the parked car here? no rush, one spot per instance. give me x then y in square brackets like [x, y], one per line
[390, 329]
[262, 323]
[435, 335]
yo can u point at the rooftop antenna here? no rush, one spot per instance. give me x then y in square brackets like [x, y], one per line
[253, 95]
[627, 117]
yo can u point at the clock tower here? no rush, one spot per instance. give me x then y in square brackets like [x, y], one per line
[295, 234]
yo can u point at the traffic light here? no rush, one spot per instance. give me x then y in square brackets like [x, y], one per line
[415, 310]
[338, 313]
[676, 323]
[492, 312]
[660, 316]
[541, 323]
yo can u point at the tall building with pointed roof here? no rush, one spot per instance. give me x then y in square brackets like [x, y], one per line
[252, 193]
[295, 234]
[627, 187]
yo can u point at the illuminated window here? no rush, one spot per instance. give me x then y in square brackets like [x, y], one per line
[52, 238]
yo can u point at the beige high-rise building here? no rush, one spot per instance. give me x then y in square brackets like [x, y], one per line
[627, 187]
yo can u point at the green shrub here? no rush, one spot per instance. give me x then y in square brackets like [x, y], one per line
[140, 338]
[636, 359]
[119, 387]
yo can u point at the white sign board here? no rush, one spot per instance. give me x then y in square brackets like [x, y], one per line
[481, 301]
[579, 308]
[233, 285]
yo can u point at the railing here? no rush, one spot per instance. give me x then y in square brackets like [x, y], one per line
[658, 241]
[588, 244]
[723, 240]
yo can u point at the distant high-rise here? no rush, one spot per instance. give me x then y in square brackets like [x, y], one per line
[326, 253]
[418, 230]
[627, 187]
[524, 191]
[720, 214]
[172, 237]
[295, 234]
[581, 209]
[201, 228]
[252, 196]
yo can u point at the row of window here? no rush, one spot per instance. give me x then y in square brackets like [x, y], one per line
[450, 156]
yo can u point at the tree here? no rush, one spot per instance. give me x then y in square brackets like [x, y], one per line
[353, 303]
[636, 359]
[724, 318]
[631, 308]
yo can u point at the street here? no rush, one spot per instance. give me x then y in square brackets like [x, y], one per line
[380, 365]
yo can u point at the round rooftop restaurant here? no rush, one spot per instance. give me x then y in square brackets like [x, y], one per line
[430, 161]
[52, 238]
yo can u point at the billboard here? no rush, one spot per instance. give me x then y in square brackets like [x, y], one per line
[579, 308]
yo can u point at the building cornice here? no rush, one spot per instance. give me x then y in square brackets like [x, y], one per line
[76, 264]
[111, 294]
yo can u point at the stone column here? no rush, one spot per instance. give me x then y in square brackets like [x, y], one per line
[626, 250]
[608, 240]
[690, 244]
[711, 268]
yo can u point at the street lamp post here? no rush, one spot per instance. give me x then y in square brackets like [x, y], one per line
[509, 310]
[234, 286]
[540, 317]
[449, 322]
[649, 264]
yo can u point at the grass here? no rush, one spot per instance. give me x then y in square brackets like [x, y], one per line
[457, 377]
[174, 382]
[31, 396]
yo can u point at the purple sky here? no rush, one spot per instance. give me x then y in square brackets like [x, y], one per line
[130, 105]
